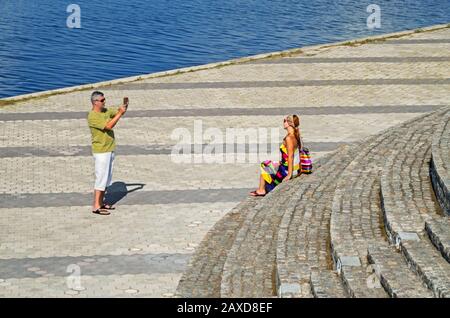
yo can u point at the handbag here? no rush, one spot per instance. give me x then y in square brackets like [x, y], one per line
[305, 159]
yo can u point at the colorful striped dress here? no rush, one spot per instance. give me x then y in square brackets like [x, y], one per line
[274, 172]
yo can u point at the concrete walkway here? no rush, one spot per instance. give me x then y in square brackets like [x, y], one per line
[50, 243]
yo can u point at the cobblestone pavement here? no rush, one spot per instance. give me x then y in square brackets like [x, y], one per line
[52, 246]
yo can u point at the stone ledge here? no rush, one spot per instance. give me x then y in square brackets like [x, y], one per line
[440, 163]
[393, 273]
[428, 263]
[439, 233]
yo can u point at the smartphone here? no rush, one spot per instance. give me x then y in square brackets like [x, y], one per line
[125, 101]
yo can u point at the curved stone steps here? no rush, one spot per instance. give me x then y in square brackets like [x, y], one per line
[203, 275]
[249, 270]
[406, 192]
[408, 202]
[297, 233]
[393, 273]
[350, 245]
[304, 237]
[356, 220]
[215, 268]
[298, 287]
[440, 163]
[438, 231]
[429, 264]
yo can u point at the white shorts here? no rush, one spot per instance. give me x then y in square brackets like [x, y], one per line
[104, 163]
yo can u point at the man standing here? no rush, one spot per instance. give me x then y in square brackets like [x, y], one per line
[101, 122]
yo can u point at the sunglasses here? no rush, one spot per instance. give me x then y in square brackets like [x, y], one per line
[101, 100]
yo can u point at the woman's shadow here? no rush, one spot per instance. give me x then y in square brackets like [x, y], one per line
[119, 190]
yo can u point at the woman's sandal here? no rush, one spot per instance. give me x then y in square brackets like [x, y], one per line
[256, 194]
[101, 212]
[107, 207]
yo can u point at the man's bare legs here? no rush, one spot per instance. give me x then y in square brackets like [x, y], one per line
[98, 199]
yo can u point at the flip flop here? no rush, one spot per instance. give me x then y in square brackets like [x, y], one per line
[256, 194]
[107, 207]
[101, 212]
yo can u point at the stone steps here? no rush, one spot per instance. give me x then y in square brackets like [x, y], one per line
[352, 278]
[440, 163]
[408, 202]
[326, 284]
[303, 240]
[339, 220]
[204, 273]
[250, 268]
[356, 219]
[393, 273]
[304, 237]
[406, 191]
[293, 261]
[355, 222]
[429, 264]
[438, 231]
[203, 277]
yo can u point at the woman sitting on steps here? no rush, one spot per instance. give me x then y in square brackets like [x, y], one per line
[274, 172]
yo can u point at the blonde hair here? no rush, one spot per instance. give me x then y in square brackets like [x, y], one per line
[294, 122]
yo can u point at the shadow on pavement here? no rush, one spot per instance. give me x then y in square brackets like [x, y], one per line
[119, 190]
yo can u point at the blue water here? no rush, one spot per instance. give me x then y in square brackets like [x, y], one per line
[124, 38]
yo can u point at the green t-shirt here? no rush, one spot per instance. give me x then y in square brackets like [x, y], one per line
[102, 140]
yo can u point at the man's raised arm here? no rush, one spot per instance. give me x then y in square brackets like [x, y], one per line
[110, 125]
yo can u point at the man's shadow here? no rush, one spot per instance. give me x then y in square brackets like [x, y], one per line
[118, 190]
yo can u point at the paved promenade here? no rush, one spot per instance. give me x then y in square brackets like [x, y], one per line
[52, 246]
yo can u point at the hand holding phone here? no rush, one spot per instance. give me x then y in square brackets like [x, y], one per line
[124, 106]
